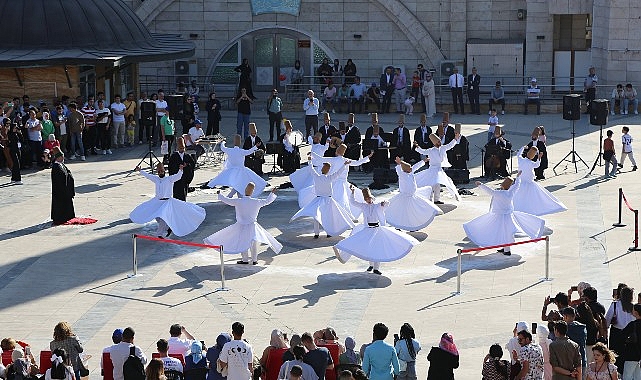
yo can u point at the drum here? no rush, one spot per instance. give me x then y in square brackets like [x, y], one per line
[296, 138]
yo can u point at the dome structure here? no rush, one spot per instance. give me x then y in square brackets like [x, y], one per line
[54, 32]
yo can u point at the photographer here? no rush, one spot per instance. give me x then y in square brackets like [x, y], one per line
[561, 302]
[243, 103]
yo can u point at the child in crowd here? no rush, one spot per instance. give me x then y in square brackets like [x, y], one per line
[48, 148]
[626, 151]
[131, 128]
[416, 84]
[409, 105]
[609, 155]
[492, 123]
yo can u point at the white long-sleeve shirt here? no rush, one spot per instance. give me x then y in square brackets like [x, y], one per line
[501, 199]
[236, 155]
[437, 155]
[323, 183]
[407, 181]
[372, 212]
[247, 208]
[165, 185]
[311, 107]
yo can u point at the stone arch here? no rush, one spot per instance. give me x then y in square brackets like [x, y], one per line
[415, 31]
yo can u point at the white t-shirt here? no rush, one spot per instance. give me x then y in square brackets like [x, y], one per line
[238, 355]
[161, 104]
[170, 363]
[195, 134]
[179, 346]
[119, 107]
[106, 112]
[627, 143]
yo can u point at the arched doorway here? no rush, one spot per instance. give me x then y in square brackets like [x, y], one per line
[272, 53]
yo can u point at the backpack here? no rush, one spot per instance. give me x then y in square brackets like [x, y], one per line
[133, 369]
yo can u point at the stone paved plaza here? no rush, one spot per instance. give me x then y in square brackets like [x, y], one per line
[80, 273]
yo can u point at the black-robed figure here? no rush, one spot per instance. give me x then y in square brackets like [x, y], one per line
[62, 190]
[181, 187]
[255, 160]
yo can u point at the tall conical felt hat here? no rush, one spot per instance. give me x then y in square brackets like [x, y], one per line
[249, 189]
[406, 167]
[374, 118]
[434, 139]
[457, 128]
[287, 123]
[532, 152]
[507, 183]
[252, 128]
[367, 193]
[341, 150]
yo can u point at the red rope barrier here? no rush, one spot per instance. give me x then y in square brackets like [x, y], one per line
[501, 245]
[177, 242]
[626, 202]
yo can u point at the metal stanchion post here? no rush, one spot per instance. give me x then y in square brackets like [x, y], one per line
[134, 255]
[636, 232]
[458, 272]
[547, 258]
[619, 224]
[222, 271]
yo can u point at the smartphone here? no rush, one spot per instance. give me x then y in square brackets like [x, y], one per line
[639, 298]
[615, 293]
[285, 336]
[27, 350]
[203, 343]
[396, 338]
[575, 288]
[534, 326]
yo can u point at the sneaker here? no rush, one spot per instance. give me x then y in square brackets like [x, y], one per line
[502, 112]
[634, 168]
[333, 111]
[17, 182]
[72, 157]
[103, 152]
[109, 151]
[139, 142]
[636, 112]
[489, 112]
[82, 158]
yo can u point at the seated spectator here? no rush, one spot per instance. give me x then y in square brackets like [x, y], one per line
[276, 342]
[373, 96]
[330, 98]
[328, 336]
[357, 95]
[307, 370]
[630, 98]
[60, 366]
[177, 344]
[616, 99]
[116, 338]
[497, 97]
[533, 97]
[181, 88]
[212, 356]
[293, 342]
[63, 337]
[350, 356]
[193, 137]
[195, 363]
[493, 367]
[169, 363]
[155, 370]
[561, 302]
[22, 365]
[343, 97]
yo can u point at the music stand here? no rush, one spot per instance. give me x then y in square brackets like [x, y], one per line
[148, 122]
[274, 148]
[574, 155]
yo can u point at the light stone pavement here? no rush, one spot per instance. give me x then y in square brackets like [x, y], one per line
[79, 273]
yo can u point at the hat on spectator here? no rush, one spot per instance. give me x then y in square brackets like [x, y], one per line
[373, 84]
[197, 121]
[534, 80]
[117, 333]
[520, 326]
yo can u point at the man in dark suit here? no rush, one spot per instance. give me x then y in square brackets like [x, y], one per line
[327, 129]
[380, 159]
[401, 140]
[422, 134]
[473, 83]
[387, 86]
[352, 139]
[497, 152]
[178, 158]
[255, 160]
[540, 145]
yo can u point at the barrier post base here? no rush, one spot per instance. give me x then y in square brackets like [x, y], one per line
[634, 249]
[546, 279]
[618, 225]
[223, 289]
[134, 275]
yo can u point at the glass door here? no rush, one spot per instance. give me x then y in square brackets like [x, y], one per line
[274, 57]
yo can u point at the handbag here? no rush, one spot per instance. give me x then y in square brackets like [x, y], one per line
[84, 371]
[164, 147]
[613, 321]
[223, 371]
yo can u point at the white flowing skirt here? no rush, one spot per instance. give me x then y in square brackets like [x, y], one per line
[182, 217]
[326, 211]
[302, 178]
[238, 238]
[494, 229]
[340, 192]
[379, 244]
[238, 178]
[431, 177]
[534, 199]
[410, 212]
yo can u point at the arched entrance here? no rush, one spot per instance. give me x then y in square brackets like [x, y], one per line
[272, 53]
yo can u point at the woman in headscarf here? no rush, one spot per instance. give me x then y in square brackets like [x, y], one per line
[443, 359]
[350, 356]
[196, 363]
[212, 356]
[542, 334]
[276, 342]
[407, 348]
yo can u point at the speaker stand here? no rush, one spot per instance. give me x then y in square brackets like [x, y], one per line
[572, 154]
[275, 168]
[150, 156]
[597, 160]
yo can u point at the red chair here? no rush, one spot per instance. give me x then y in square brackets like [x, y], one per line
[6, 357]
[45, 361]
[180, 357]
[274, 362]
[107, 367]
[334, 349]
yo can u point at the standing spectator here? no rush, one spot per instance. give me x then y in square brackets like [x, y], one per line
[603, 367]
[90, 134]
[632, 349]
[530, 356]
[178, 344]
[274, 105]
[350, 72]
[513, 345]
[407, 349]
[169, 363]
[213, 353]
[118, 125]
[626, 149]
[576, 331]
[585, 315]
[213, 115]
[387, 88]
[616, 99]
[65, 339]
[380, 361]
[456, 82]
[543, 334]
[245, 80]
[533, 96]
[167, 130]
[193, 90]
[243, 103]
[329, 97]
[130, 110]
[34, 127]
[130, 127]
[609, 154]
[564, 354]
[630, 96]
[400, 88]
[143, 129]
[473, 90]
[317, 357]
[428, 93]
[15, 137]
[311, 106]
[443, 359]
[497, 97]
[161, 109]
[357, 95]
[120, 352]
[237, 355]
[493, 367]
[102, 123]
[60, 124]
[421, 73]
[416, 85]
[589, 88]
[276, 342]
[47, 125]
[297, 74]
[618, 316]
[188, 113]
[76, 122]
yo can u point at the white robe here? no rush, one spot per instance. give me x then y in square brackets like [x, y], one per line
[410, 210]
[235, 174]
[434, 174]
[374, 243]
[303, 177]
[324, 208]
[239, 237]
[500, 224]
[532, 197]
[182, 217]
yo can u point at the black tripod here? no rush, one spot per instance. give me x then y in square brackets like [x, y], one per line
[597, 160]
[149, 155]
[572, 153]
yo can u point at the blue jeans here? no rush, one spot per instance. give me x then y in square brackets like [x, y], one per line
[242, 125]
[76, 138]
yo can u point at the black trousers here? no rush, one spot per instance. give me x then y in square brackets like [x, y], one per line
[473, 96]
[457, 99]
[500, 101]
[590, 95]
[311, 121]
[15, 169]
[275, 119]
[387, 101]
[104, 135]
